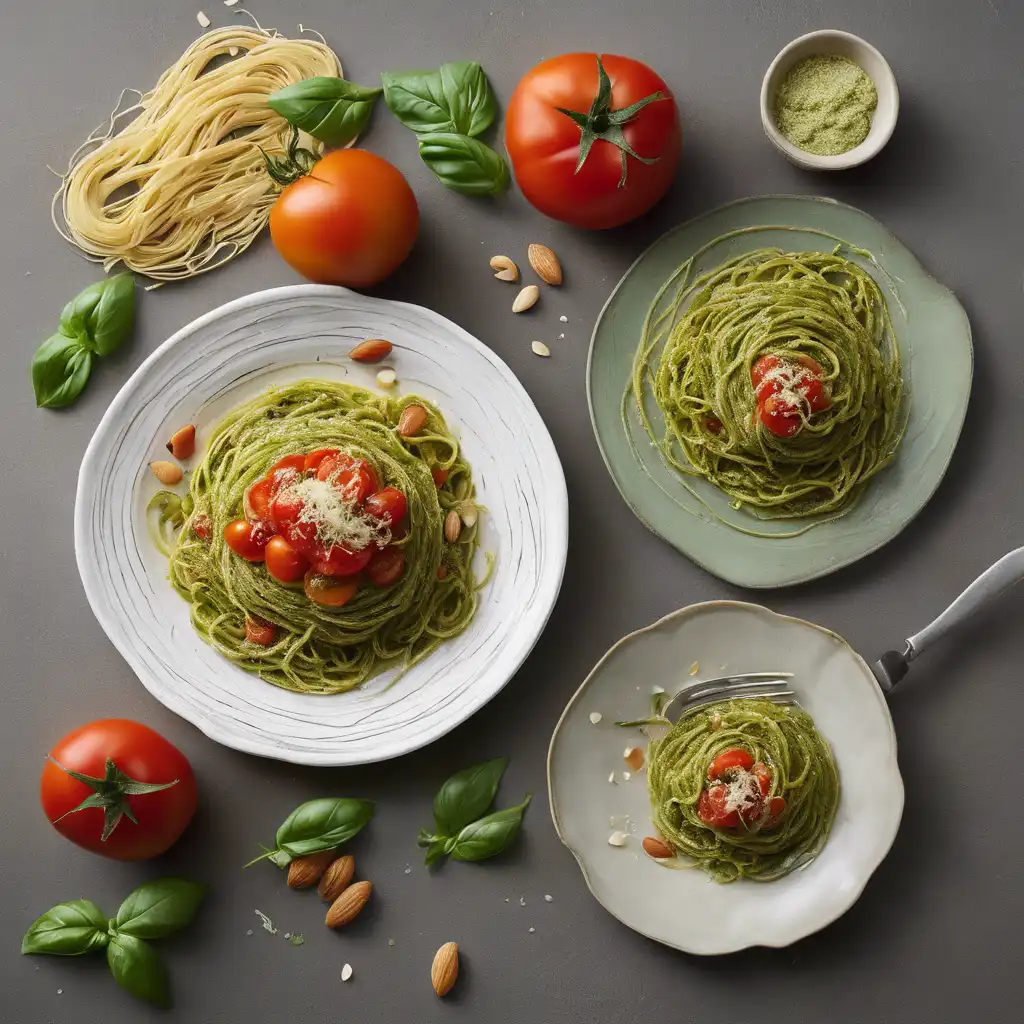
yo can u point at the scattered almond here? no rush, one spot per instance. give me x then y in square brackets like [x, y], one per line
[634, 757]
[452, 526]
[540, 349]
[204, 21]
[595, 717]
[373, 350]
[545, 264]
[445, 969]
[412, 420]
[167, 473]
[526, 299]
[386, 378]
[305, 872]
[336, 878]
[716, 721]
[618, 839]
[657, 848]
[347, 906]
[346, 972]
[469, 512]
[505, 267]
[182, 444]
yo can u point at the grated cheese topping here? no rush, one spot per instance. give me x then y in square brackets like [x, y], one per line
[337, 518]
[743, 791]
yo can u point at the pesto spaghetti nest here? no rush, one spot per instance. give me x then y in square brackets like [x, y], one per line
[313, 549]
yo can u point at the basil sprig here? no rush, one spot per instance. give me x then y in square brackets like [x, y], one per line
[330, 109]
[152, 911]
[448, 108]
[315, 826]
[94, 323]
[462, 828]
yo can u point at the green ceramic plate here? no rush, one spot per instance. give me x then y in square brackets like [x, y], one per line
[935, 343]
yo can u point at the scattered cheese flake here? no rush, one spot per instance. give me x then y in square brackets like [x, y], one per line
[335, 515]
[230, 3]
[694, 668]
[532, 930]
[386, 378]
[548, 898]
[626, 776]
[60, 991]
[249, 932]
[522, 901]
[346, 972]
[287, 935]
[657, 689]
[540, 349]
[506, 899]
[618, 839]
[564, 319]
[611, 776]
[203, 20]
[268, 925]
[408, 870]
[595, 717]
[391, 942]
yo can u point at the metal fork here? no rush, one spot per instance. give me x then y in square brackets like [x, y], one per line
[773, 686]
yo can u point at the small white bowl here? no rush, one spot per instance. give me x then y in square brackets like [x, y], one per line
[843, 44]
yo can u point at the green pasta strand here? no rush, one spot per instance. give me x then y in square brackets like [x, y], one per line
[321, 649]
[694, 364]
[803, 772]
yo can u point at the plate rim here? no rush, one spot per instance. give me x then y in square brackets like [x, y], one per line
[697, 558]
[209, 727]
[684, 612]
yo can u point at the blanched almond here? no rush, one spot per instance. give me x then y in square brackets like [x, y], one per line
[505, 267]
[167, 473]
[526, 299]
[412, 420]
[182, 444]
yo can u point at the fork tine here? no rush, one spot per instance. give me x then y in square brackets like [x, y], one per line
[726, 685]
[676, 712]
[773, 686]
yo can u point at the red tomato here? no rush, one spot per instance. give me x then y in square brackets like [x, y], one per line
[285, 471]
[761, 369]
[312, 461]
[257, 501]
[330, 591]
[764, 777]
[779, 417]
[386, 567]
[259, 631]
[246, 539]
[202, 527]
[122, 752]
[711, 808]
[775, 810]
[389, 504]
[284, 561]
[339, 561]
[440, 476]
[352, 220]
[728, 761]
[611, 186]
[355, 478]
[285, 510]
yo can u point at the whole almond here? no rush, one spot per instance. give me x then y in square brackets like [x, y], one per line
[336, 878]
[505, 267]
[445, 969]
[167, 473]
[182, 444]
[452, 526]
[412, 420]
[347, 906]
[373, 350]
[305, 872]
[634, 757]
[657, 848]
[545, 264]
[526, 299]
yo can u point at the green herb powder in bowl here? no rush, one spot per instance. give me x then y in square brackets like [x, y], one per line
[824, 105]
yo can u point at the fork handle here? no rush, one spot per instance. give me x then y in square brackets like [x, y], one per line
[988, 586]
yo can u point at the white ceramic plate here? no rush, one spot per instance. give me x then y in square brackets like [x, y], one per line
[226, 357]
[685, 908]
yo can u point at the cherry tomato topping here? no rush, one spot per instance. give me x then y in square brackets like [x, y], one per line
[286, 471]
[338, 560]
[202, 527]
[285, 511]
[259, 631]
[764, 777]
[775, 810]
[386, 567]
[389, 504]
[761, 369]
[246, 539]
[728, 761]
[312, 461]
[781, 419]
[257, 501]
[355, 478]
[284, 561]
[711, 808]
[330, 591]
[440, 476]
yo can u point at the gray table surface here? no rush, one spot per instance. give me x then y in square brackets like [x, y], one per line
[936, 935]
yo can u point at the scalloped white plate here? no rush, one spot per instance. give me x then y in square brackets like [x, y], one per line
[685, 908]
[229, 355]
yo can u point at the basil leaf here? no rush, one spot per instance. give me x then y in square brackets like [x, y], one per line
[138, 969]
[330, 109]
[435, 851]
[68, 929]
[468, 97]
[102, 315]
[488, 836]
[467, 795]
[60, 370]
[320, 825]
[417, 99]
[158, 908]
[464, 164]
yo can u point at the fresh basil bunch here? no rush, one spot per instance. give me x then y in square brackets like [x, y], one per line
[330, 109]
[448, 108]
[462, 828]
[154, 910]
[94, 323]
[315, 826]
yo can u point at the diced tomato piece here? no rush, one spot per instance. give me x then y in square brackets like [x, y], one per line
[202, 527]
[728, 761]
[440, 476]
[354, 478]
[286, 471]
[259, 631]
[781, 419]
[386, 567]
[388, 504]
[285, 511]
[764, 777]
[330, 591]
[312, 461]
[257, 501]
[338, 560]
[711, 808]
[775, 811]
